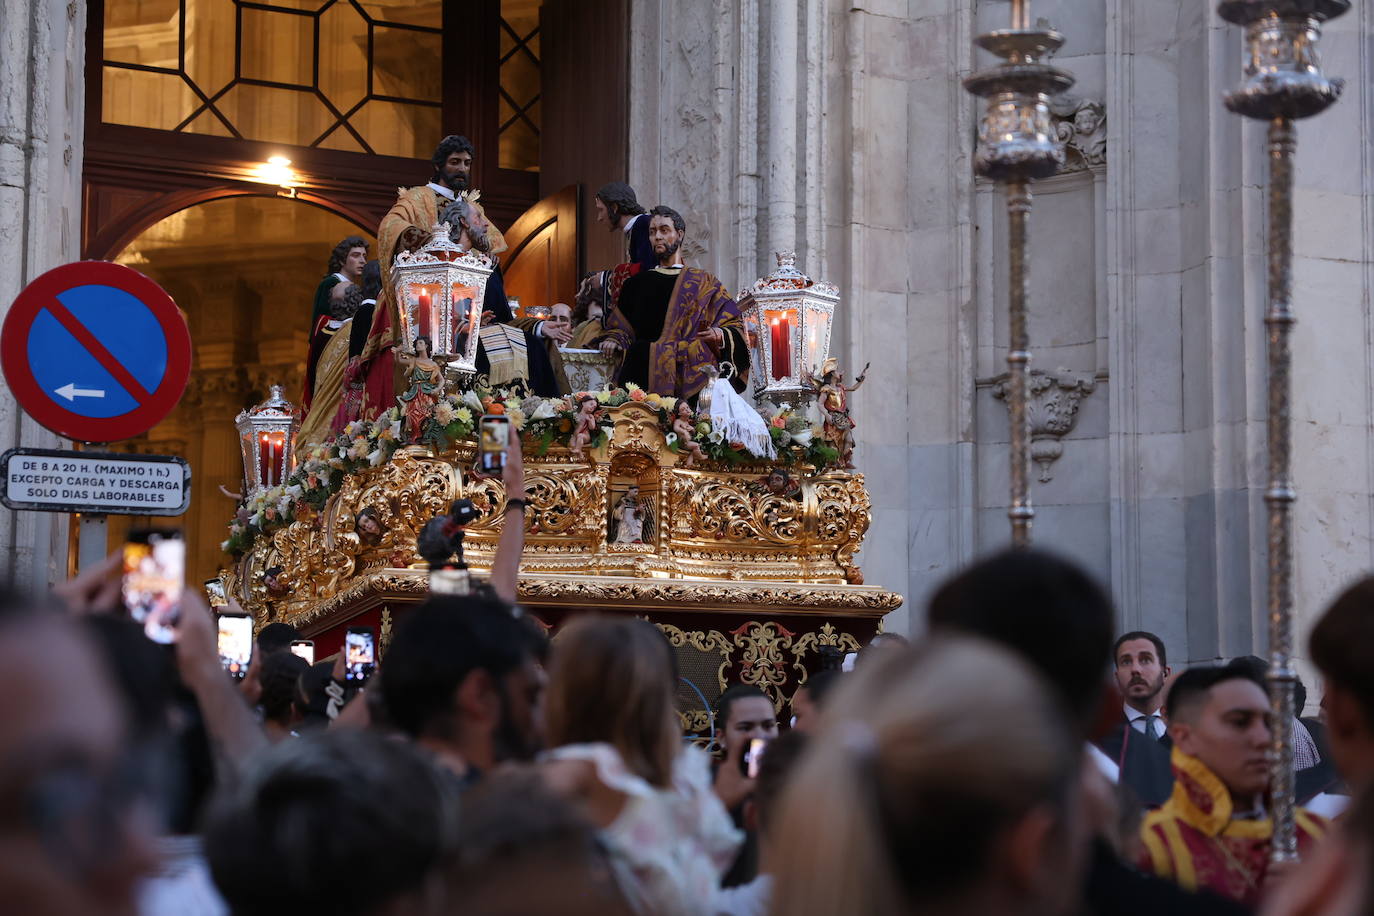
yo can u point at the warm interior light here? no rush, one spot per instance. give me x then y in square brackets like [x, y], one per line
[276, 170]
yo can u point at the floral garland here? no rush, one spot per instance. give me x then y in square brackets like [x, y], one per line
[543, 422]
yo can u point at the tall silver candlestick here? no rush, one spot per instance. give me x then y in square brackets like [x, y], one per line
[1283, 82]
[1017, 143]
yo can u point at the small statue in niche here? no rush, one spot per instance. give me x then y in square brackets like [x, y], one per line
[780, 483]
[584, 425]
[426, 378]
[684, 425]
[369, 527]
[833, 397]
[632, 520]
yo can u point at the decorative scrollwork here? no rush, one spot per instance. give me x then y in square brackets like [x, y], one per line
[827, 635]
[762, 663]
[708, 641]
[724, 524]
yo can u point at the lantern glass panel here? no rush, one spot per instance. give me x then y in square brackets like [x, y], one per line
[782, 329]
[424, 305]
[817, 336]
[467, 313]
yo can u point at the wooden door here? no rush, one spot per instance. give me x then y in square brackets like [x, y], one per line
[540, 266]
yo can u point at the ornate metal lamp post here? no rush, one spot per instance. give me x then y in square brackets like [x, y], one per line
[1283, 82]
[1017, 143]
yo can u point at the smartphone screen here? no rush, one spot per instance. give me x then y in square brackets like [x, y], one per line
[214, 593]
[304, 648]
[235, 643]
[492, 442]
[753, 756]
[360, 655]
[154, 576]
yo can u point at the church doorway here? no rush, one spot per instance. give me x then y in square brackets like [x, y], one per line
[244, 270]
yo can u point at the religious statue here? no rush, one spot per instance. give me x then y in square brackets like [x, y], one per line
[272, 581]
[587, 314]
[838, 428]
[408, 226]
[684, 424]
[354, 373]
[780, 483]
[673, 322]
[632, 520]
[368, 526]
[584, 425]
[426, 379]
[336, 300]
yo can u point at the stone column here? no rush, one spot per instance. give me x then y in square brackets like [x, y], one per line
[42, 52]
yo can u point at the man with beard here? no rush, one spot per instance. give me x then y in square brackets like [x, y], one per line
[463, 679]
[1139, 744]
[408, 226]
[673, 323]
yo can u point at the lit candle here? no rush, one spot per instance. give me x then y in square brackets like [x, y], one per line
[265, 460]
[782, 347]
[278, 459]
[424, 317]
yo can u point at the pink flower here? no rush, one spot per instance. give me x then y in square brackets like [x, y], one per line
[637, 394]
[780, 421]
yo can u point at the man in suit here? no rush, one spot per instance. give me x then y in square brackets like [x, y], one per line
[1139, 744]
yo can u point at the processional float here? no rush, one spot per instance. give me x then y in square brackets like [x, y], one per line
[747, 563]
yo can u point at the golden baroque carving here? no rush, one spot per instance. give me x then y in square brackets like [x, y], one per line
[711, 522]
[762, 663]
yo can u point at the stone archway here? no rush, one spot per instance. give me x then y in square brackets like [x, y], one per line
[243, 267]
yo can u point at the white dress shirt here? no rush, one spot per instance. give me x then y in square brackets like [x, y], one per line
[1137, 720]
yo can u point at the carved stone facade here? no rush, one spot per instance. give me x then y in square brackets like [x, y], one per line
[1146, 279]
[1052, 410]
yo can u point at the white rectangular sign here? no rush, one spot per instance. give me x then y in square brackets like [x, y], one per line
[99, 483]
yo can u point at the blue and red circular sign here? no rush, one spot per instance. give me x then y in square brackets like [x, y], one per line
[95, 351]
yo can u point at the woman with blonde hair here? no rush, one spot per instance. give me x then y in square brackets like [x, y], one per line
[617, 750]
[941, 782]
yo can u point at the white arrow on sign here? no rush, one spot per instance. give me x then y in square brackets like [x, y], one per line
[71, 392]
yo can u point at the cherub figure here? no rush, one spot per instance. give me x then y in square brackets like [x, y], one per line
[780, 483]
[684, 424]
[584, 425]
[838, 427]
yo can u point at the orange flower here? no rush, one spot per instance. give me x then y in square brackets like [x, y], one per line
[495, 408]
[638, 394]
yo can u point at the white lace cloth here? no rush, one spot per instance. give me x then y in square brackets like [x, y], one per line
[732, 417]
[671, 845]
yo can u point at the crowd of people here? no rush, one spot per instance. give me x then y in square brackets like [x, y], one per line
[1019, 758]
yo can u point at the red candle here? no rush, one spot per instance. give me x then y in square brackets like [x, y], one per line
[782, 347]
[265, 460]
[278, 459]
[424, 317]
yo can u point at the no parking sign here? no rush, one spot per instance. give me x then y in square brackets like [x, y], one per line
[95, 351]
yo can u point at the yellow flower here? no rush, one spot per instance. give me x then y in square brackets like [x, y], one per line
[517, 416]
[631, 387]
[463, 415]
